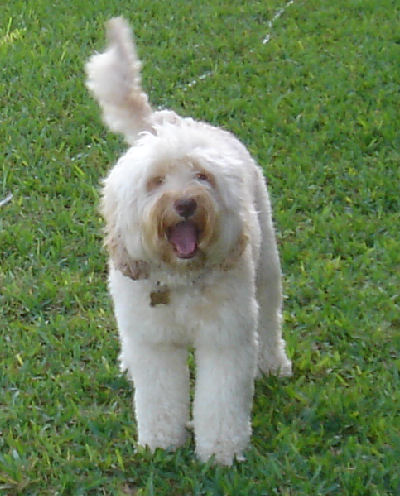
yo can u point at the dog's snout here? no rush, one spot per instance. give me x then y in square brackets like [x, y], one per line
[185, 207]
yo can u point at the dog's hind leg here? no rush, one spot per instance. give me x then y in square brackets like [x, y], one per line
[272, 358]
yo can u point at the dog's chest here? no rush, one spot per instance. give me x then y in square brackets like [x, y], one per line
[188, 305]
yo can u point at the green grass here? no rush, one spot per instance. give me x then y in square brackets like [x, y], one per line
[318, 105]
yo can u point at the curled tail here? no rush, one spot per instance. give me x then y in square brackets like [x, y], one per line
[114, 79]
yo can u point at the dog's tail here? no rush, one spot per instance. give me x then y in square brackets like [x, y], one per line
[114, 79]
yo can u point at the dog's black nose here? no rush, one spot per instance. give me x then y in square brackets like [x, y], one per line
[185, 207]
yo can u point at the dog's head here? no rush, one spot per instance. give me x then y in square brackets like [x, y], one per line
[174, 200]
[181, 219]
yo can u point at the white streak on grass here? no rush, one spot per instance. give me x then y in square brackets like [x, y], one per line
[267, 38]
[199, 78]
[275, 17]
[6, 200]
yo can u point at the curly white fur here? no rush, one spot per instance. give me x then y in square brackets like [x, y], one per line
[193, 263]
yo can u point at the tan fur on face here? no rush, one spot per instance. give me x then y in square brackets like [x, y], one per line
[163, 217]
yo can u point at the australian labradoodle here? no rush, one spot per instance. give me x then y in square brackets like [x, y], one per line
[193, 264]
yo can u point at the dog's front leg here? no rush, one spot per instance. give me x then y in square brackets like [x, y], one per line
[161, 381]
[223, 397]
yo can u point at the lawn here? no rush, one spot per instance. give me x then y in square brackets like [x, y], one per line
[312, 88]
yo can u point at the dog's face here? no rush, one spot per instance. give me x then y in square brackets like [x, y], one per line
[181, 218]
[171, 206]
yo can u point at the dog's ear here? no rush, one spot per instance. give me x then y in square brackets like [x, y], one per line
[121, 260]
[236, 252]
[134, 269]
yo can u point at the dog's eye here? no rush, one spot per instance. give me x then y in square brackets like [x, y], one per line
[155, 182]
[205, 177]
[201, 176]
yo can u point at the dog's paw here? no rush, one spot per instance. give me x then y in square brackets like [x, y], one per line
[223, 454]
[162, 439]
[275, 364]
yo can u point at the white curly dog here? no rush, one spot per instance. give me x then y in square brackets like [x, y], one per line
[193, 264]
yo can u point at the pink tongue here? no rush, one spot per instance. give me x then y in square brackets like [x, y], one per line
[184, 238]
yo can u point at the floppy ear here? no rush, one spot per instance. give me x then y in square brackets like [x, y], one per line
[121, 260]
[236, 252]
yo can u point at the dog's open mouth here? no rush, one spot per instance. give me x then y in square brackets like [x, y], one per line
[183, 237]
